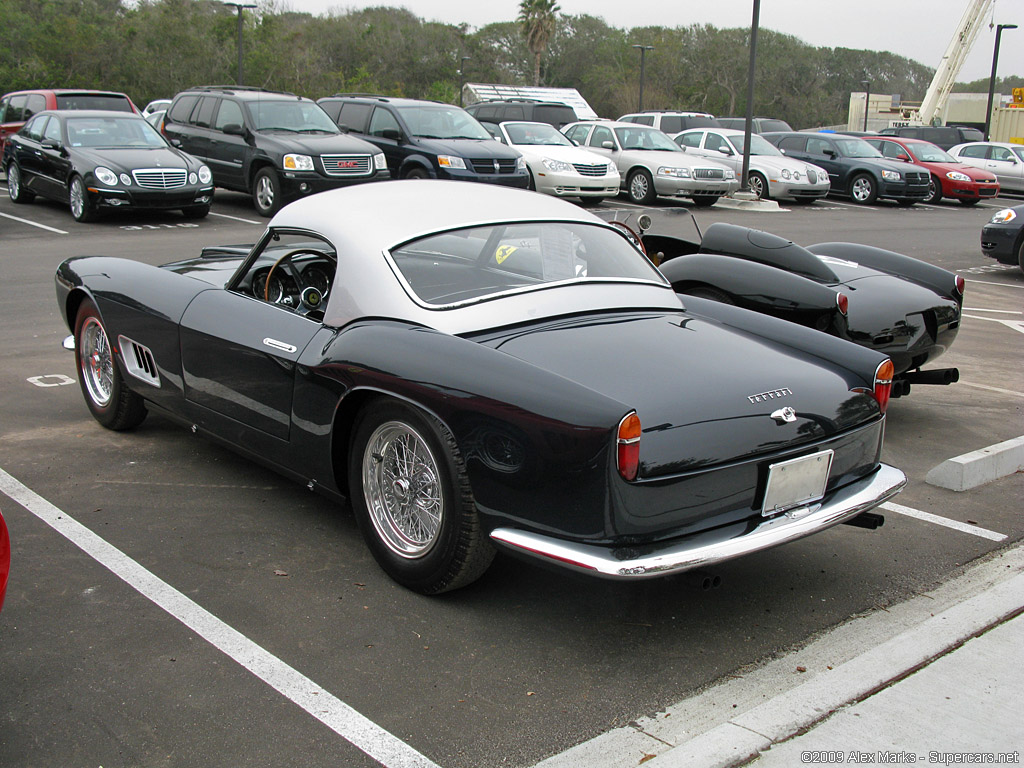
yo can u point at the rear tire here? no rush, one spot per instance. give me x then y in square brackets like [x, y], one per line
[412, 500]
[111, 403]
[15, 188]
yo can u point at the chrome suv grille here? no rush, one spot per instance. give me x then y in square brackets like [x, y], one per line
[160, 178]
[346, 165]
[489, 165]
[708, 173]
[590, 170]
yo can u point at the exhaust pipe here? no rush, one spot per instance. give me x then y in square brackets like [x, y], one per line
[936, 376]
[868, 520]
[704, 580]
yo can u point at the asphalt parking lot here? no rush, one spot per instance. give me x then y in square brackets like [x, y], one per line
[208, 612]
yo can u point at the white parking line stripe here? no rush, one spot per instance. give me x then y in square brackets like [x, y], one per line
[234, 218]
[954, 524]
[33, 224]
[1001, 285]
[992, 389]
[376, 742]
[1000, 311]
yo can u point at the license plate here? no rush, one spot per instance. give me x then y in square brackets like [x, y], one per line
[796, 482]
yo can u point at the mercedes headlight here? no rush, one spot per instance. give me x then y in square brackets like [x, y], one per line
[205, 176]
[106, 176]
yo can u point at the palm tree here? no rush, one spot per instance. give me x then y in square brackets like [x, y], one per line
[537, 19]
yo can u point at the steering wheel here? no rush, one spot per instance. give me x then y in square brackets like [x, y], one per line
[310, 298]
[631, 234]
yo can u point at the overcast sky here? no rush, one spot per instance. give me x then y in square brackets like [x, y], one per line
[918, 29]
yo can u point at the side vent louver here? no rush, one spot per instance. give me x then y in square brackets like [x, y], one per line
[139, 361]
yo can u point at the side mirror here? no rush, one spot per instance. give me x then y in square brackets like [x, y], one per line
[234, 129]
[343, 127]
[903, 157]
[608, 144]
[831, 153]
[391, 133]
[726, 151]
[51, 144]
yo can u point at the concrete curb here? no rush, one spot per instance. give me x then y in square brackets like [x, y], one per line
[732, 722]
[763, 206]
[976, 468]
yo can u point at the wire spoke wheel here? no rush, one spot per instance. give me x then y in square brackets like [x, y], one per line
[97, 362]
[403, 489]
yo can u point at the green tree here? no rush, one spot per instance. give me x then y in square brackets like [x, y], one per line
[538, 19]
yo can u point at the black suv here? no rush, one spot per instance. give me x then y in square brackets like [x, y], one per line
[945, 136]
[855, 168]
[531, 110]
[427, 139]
[274, 146]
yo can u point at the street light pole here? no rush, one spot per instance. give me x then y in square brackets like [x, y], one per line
[992, 77]
[462, 75]
[867, 101]
[238, 7]
[643, 50]
[748, 126]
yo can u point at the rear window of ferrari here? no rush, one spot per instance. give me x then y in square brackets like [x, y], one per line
[478, 263]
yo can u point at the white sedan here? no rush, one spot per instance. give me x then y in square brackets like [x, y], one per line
[771, 173]
[1003, 159]
[557, 166]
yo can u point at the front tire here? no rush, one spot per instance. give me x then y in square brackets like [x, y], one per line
[863, 189]
[705, 201]
[969, 201]
[196, 212]
[412, 500]
[111, 403]
[758, 184]
[266, 192]
[78, 200]
[640, 187]
[15, 188]
[934, 190]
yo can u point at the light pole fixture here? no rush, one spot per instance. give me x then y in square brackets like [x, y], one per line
[867, 100]
[992, 77]
[643, 50]
[238, 7]
[462, 75]
[748, 124]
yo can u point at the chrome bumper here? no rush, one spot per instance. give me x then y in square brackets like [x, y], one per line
[702, 550]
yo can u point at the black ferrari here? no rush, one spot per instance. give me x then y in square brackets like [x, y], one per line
[98, 160]
[886, 301]
[491, 369]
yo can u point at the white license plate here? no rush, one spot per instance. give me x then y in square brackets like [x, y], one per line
[796, 482]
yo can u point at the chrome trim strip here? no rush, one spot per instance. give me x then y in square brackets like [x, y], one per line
[275, 344]
[673, 557]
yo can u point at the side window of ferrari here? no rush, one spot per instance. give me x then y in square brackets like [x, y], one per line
[294, 271]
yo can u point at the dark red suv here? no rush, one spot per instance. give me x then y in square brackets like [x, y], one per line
[18, 106]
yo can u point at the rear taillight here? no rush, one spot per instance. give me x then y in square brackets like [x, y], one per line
[842, 302]
[628, 444]
[883, 384]
[960, 285]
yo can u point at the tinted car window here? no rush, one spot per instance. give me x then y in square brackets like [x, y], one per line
[671, 123]
[889, 148]
[52, 130]
[1002, 154]
[715, 141]
[577, 133]
[644, 120]
[288, 115]
[795, 143]
[355, 116]
[816, 146]
[381, 121]
[975, 151]
[3, 108]
[180, 111]
[600, 135]
[36, 103]
[689, 139]
[34, 128]
[514, 113]
[16, 110]
[112, 101]
[204, 115]
[553, 114]
[228, 114]
[970, 134]
[774, 125]
[442, 122]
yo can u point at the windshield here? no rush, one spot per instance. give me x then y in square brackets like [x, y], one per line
[639, 137]
[928, 153]
[441, 122]
[292, 116]
[536, 134]
[758, 145]
[856, 148]
[479, 263]
[113, 132]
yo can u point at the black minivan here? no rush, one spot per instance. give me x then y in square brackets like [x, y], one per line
[274, 146]
[428, 139]
[556, 114]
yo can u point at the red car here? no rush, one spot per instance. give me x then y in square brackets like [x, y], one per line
[17, 107]
[5, 559]
[950, 177]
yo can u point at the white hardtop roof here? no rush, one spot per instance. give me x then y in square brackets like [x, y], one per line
[365, 221]
[570, 96]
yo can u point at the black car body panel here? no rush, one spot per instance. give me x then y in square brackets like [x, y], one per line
[909, 184]
[533, 404]
[1002, 238]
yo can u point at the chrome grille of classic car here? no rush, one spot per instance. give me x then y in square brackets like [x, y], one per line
[346, 165]
[160, 178]
[590, 170]
[708, 173]
[489, 165]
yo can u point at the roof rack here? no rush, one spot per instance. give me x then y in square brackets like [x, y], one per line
[359, 96]
[241, 88]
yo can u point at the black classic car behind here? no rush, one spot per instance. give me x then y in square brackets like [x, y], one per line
[492, 368]
[856, 169]
[274, 146]
[102, 160]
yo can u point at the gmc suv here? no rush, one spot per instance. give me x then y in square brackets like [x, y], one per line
[274, 146]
